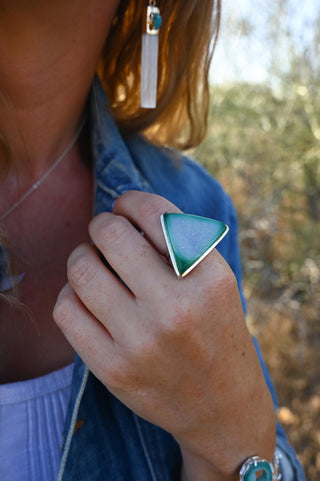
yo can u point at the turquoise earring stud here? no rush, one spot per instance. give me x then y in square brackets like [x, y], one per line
[190, 239]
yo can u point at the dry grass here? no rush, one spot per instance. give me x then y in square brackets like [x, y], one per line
[271, 169]
[289, 336]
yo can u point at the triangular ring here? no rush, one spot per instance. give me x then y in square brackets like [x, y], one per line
[190, 238]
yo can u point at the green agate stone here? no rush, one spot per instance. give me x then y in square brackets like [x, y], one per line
[190, 238]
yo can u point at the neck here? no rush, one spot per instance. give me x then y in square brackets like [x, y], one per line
[48, 55]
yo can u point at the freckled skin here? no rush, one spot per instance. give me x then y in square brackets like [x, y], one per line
[177, 352]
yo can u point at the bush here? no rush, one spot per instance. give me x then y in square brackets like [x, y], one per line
[264, 151]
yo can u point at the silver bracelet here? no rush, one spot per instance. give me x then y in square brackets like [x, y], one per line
[271, 471]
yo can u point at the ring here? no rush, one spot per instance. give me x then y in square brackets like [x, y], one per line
[190, 238]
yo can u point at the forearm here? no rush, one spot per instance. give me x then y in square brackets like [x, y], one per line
[222, 458]
[193, 468]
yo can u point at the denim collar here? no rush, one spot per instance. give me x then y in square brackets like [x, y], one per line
[114, 170]
[114, 174]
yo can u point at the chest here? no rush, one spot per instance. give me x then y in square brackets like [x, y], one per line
[42, 239]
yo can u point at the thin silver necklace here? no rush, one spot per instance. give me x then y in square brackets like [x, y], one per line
[37, 184]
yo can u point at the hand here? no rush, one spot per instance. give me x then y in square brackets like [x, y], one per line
[175, 351]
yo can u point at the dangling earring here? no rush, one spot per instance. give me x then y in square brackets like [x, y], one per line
[149, 56]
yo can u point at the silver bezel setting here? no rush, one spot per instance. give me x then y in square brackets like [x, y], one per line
[172, 256]
[275, 466]
[151, 10]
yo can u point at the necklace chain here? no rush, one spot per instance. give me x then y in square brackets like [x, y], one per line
[37, 184]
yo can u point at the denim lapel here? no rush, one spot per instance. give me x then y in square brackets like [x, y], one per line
[114, 170]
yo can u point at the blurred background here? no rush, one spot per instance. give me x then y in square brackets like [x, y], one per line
[263, 145]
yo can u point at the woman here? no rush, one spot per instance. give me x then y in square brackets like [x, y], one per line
[176, 389]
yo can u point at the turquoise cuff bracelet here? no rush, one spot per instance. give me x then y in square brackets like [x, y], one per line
[258, 469]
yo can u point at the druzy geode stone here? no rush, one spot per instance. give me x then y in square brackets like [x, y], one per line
[190, 238]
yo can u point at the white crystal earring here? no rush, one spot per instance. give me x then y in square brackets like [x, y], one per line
[149, 56]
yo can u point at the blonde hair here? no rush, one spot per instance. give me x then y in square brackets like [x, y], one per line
[187, 39]
[8, 269]
[186, 42]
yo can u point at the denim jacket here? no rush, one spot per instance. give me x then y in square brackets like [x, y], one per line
[104, 440]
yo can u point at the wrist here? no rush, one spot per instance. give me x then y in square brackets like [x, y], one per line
[253, 468]
[224, 462]
[194, 468]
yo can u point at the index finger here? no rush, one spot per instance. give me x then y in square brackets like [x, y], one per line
[143, 210]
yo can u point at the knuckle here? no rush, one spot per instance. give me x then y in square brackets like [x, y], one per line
[152, 206]
[222, 291]
[218, 276]
[80, 268]
[111, 230]
[62, 312]
[227, 281]
[125, 199]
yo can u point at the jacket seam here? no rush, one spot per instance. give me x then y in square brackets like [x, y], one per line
[72, 425]
[145, 448]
